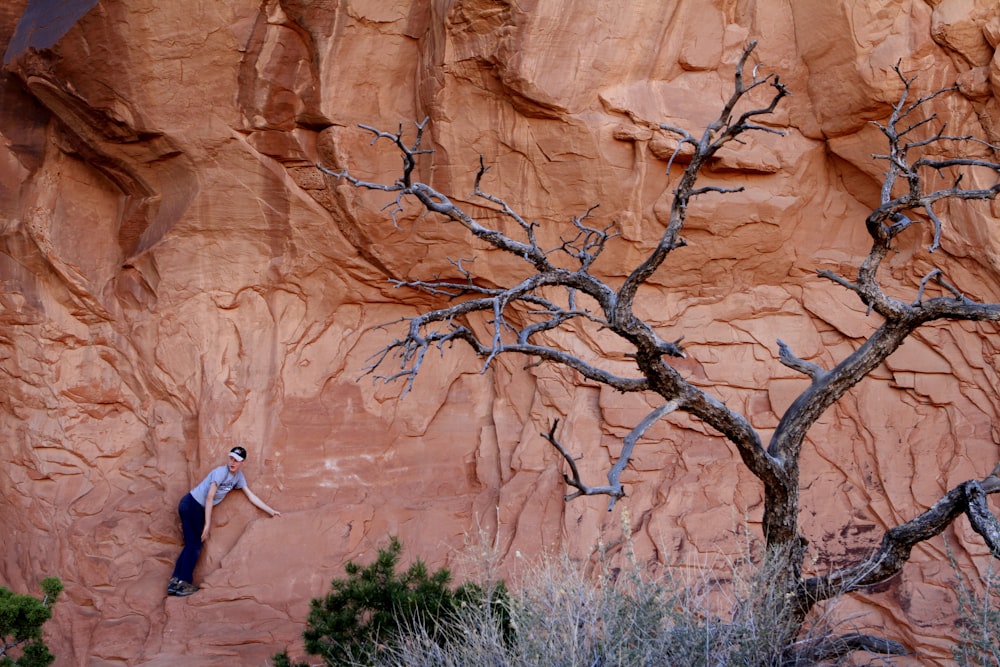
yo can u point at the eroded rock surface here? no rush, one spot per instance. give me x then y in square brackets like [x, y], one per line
[177, 278]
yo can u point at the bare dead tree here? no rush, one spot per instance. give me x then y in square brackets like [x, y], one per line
[560, 291]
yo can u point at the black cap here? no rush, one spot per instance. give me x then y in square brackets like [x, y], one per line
[238, 453]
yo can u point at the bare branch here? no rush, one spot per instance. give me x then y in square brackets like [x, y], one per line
[936, 276]
[505, 209]
[408, 153]
[630, 440]
[614, 487]
[923, 284]
[436, 202]
[892, 554]
[936, 243]
[982, 520]
[788, 358]
[883, 224]
[723, 130]
[573, 479]
[685, 138]
[589, 242]
[714, 188]
[626, 385]
[843, 282]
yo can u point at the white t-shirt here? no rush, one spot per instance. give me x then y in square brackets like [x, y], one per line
[224, 483]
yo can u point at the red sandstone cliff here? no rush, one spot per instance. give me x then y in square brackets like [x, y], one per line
[175, 278]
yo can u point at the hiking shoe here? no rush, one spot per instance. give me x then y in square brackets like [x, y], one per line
[185, 588]
[172, 586]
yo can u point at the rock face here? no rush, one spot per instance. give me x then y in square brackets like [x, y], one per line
[177, 278]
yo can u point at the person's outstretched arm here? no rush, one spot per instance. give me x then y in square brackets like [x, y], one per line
[260, 503]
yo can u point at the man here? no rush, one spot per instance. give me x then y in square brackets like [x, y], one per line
[195, 510]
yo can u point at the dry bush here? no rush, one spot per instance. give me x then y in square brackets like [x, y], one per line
[629, 615]
[979, 620]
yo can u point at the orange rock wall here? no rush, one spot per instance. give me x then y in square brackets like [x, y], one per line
[175, 279]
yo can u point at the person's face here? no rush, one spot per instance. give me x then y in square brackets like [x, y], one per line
[234, 465]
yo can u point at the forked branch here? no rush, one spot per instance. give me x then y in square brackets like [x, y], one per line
[614, 487]
[913, 158]
[719, 133]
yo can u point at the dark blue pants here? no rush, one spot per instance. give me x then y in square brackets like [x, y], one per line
[192, 524]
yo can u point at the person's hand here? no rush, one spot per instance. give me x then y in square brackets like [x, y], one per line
[204, 534]
[275, 513]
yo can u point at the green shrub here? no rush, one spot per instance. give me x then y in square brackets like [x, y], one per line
[21, 620]
[365, 613]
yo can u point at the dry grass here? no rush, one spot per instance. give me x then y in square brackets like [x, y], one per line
[623, 616]
[979, 620]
